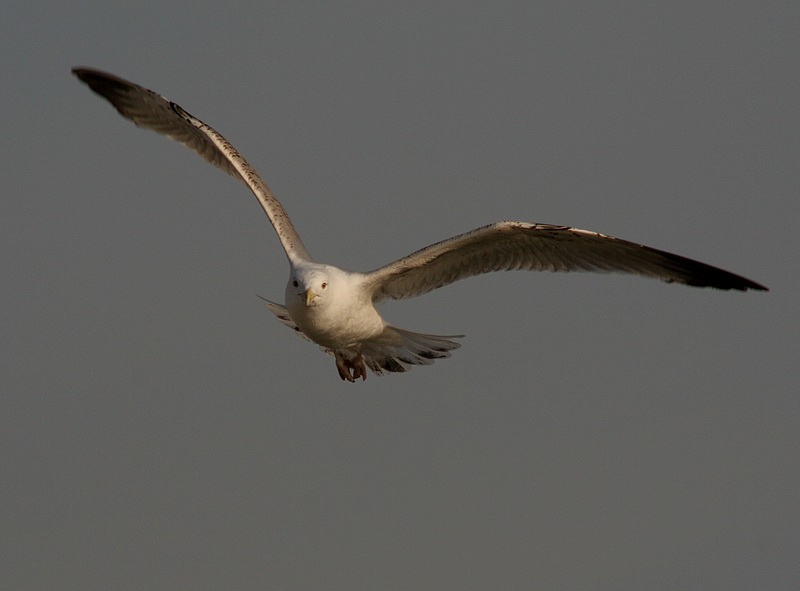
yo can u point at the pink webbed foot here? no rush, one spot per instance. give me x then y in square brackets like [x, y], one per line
[351, 369]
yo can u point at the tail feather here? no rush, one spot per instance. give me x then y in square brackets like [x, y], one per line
[394, 350]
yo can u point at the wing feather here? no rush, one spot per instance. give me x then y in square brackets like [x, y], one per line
[509, 245]
[152, 111]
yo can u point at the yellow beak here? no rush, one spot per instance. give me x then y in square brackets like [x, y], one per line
[310, 295]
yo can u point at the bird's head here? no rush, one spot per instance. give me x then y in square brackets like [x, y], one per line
[309, 287]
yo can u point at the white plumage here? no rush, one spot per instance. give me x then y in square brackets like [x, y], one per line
[336, 308]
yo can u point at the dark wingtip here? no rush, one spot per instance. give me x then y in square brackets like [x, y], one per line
[742, 283]
[735, 282]
[727, 281]
[98, 80]
[697, 274]
[757, 286]
[85, 74]
[110, 87]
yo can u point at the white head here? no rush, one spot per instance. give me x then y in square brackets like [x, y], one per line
[307, 286]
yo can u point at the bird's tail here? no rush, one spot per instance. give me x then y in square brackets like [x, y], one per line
[395, 350]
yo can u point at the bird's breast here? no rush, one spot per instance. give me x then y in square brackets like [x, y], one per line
[337, 327]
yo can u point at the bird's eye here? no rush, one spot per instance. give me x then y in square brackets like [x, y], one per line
[295, 283]
[324, 284]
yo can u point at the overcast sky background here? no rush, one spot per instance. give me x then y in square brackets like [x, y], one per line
[161, 430]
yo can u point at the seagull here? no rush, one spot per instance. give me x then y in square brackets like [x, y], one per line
[336, 309]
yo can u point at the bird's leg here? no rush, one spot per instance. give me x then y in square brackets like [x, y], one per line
[359, 367]
[351, 369]
[342, 367]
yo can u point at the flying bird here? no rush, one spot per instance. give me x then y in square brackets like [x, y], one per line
[336, 309]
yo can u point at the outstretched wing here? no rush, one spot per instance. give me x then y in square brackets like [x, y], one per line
[506, 246]
[152, 111]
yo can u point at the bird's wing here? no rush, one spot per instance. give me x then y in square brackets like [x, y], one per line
[152, 111]
[286, 319]
[506, 246]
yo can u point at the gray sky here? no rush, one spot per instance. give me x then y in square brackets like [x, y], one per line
[161, 430]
